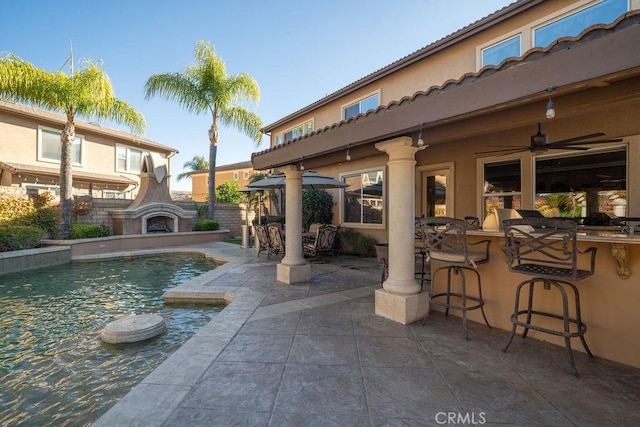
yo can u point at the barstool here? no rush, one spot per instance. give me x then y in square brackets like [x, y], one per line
[445, 240]
[546, 249]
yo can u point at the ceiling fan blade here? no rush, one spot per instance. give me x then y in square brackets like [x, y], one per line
[599, 141]
[578, 138]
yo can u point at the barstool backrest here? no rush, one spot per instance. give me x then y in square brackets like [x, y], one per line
[545, 247]
[445, 239]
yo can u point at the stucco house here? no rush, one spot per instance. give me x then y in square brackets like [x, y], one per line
[240, 172]
[461, 128]
[106, 162]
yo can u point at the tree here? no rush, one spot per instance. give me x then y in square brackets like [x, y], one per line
[229, 192]
[198, 163]
[204, 86]
[85, 92]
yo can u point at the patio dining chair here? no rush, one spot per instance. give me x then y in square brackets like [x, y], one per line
[445, 240]
[322, 242]
[262, 234]
[276, 239]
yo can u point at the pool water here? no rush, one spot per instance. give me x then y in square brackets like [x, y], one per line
[54, 368]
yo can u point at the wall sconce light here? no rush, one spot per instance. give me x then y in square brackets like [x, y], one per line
[551, 111]
[348, 156]
[420, 140]
[302, 164]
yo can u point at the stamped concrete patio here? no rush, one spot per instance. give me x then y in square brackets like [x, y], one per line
[316, 354]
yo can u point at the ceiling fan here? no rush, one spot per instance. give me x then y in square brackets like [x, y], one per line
[540, 143]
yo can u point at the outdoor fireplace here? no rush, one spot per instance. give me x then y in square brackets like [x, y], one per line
[152, 211]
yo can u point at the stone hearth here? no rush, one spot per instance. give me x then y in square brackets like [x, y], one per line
[152, 210]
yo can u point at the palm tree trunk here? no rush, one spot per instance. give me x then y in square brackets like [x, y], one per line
[213, 152]
[66, 179]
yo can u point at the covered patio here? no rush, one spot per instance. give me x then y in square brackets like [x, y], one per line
[594, 80]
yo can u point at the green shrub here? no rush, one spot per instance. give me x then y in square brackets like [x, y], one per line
[88, 231]
[15, 238]
[45, 218]
[356, 243]
[269, 219]
[316, 207]
[206, 225]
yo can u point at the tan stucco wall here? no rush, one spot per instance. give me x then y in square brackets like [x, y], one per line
[608, 303]
[451, 63]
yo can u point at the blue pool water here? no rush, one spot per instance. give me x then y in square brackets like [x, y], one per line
[54, 369]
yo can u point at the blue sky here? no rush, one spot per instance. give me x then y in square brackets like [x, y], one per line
[297, 51]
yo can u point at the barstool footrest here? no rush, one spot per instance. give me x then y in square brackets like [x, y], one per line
[582, 327]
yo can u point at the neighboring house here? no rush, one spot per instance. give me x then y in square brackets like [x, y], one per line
[106, 162]
[240, 172]
[419, 138]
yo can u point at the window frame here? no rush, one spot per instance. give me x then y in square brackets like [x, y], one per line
[306, 127]
[127, 168]
[364, 225]
[359, 101]
[503, 40]
[565, 15]
[78, 137]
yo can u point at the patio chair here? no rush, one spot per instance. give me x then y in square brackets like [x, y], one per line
[546, 249]
[262, 234]
[322, 242]
[276, 239]
[445, 240]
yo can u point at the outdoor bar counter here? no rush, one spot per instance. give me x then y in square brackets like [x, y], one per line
[610, 299]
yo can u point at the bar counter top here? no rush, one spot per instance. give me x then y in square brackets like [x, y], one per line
[592, 234]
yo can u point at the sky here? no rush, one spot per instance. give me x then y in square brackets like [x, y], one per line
[297, 51]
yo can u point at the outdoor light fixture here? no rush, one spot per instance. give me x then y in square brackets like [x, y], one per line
[551, 111]
[420, 140]
[348, 156]
[302, 164]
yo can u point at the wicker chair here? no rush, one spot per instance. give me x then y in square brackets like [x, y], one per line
[445, 241]
[546, 249]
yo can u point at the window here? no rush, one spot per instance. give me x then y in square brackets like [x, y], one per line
[369, 103]
[603, 12]
[295, 132]
[495, 54]
[363, 200]
[49, 146]
[591, 186]
[502, 186]
[129, 159]
[236, 176]
[246, 175]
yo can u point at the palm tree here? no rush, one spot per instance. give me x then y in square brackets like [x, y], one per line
[203, 87]
[198, 163]
[85, 92]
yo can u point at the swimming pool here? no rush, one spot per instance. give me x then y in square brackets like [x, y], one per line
[55, 370]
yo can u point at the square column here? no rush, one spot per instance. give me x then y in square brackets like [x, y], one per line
[400, 299]
[293, 268]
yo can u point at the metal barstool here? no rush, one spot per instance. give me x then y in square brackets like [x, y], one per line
[546, 249]
[445, 241]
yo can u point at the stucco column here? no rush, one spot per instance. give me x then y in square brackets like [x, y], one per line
[400, 299]
[293, 267]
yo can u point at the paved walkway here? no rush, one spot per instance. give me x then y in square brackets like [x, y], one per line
[315, 354]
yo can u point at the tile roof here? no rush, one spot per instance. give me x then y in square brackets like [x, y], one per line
[81, 175]
[593, 32]
[39, 114]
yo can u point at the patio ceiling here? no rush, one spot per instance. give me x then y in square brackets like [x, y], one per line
[603, 58]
